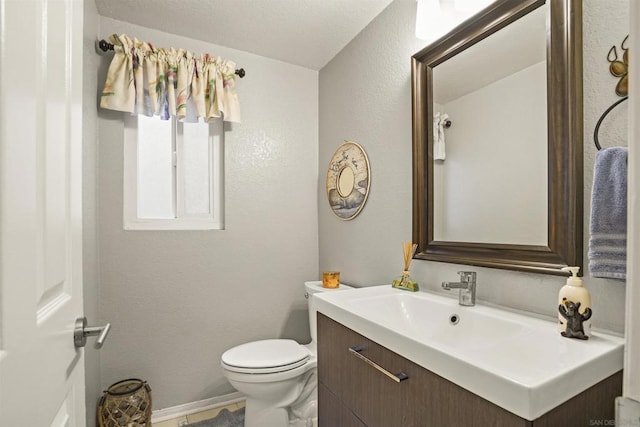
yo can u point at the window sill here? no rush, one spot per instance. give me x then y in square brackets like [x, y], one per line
[173, 224]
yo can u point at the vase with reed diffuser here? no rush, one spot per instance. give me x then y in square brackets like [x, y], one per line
[405, 281]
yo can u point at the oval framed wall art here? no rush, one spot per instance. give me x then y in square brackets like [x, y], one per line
[348, 179]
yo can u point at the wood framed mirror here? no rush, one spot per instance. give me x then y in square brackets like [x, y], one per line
[561, 182]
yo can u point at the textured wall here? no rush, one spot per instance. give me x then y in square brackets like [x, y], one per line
[178, 300]
[365, 96]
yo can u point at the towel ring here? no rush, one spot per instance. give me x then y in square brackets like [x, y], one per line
[607, 111]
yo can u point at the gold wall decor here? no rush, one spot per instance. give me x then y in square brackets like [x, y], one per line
[619, 67]
[348, 179]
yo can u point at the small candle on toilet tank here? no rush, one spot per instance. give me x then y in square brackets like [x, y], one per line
[330, 279]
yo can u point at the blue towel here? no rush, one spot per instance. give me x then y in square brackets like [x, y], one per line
[608, 228]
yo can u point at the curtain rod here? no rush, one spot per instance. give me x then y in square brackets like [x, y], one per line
[106, 46]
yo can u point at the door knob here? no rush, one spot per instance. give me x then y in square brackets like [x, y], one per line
[81, 332]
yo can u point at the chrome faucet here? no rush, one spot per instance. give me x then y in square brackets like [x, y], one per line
[467, 286]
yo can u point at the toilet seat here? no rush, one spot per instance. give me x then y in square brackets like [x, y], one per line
[265, 357]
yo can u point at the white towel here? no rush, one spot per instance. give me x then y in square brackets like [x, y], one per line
[439, 119]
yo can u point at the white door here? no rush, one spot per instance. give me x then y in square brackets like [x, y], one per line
[632, 350]
[41, 372]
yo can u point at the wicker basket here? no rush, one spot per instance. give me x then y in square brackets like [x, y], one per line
[126, 403]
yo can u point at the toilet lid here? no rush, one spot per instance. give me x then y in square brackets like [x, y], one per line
[266, 356]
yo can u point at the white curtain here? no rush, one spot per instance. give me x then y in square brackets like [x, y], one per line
[169, 83]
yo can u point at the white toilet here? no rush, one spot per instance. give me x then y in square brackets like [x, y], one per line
[278, 376]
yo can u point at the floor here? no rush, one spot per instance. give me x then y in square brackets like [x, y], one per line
[198, 416]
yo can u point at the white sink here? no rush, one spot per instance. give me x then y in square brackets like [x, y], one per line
[520, 363]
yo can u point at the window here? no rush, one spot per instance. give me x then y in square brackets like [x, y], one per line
[173, 174]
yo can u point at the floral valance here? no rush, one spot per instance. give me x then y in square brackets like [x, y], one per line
[169, 83]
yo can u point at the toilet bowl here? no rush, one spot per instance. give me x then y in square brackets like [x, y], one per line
[278, 376]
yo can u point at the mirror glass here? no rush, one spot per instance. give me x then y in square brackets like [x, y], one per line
[491, 186]
[346, 181]
[505, 188]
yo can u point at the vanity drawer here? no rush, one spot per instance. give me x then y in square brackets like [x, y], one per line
[336, 413]
[423, 399]
[352, 392]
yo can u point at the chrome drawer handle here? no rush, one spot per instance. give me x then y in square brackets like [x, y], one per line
[401, 376]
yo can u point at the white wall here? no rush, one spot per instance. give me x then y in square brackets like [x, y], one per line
[178, 300]
[365, 96]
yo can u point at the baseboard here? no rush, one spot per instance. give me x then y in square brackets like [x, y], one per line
[193, 407]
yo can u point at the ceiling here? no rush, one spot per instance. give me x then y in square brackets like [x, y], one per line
[515, 47]
[302, 32]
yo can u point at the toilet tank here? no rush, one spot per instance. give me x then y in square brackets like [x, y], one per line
[311, 288]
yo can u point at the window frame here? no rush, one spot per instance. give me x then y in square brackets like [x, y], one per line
[214, 220]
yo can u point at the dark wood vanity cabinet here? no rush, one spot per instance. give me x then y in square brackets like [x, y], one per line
[352, 393]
